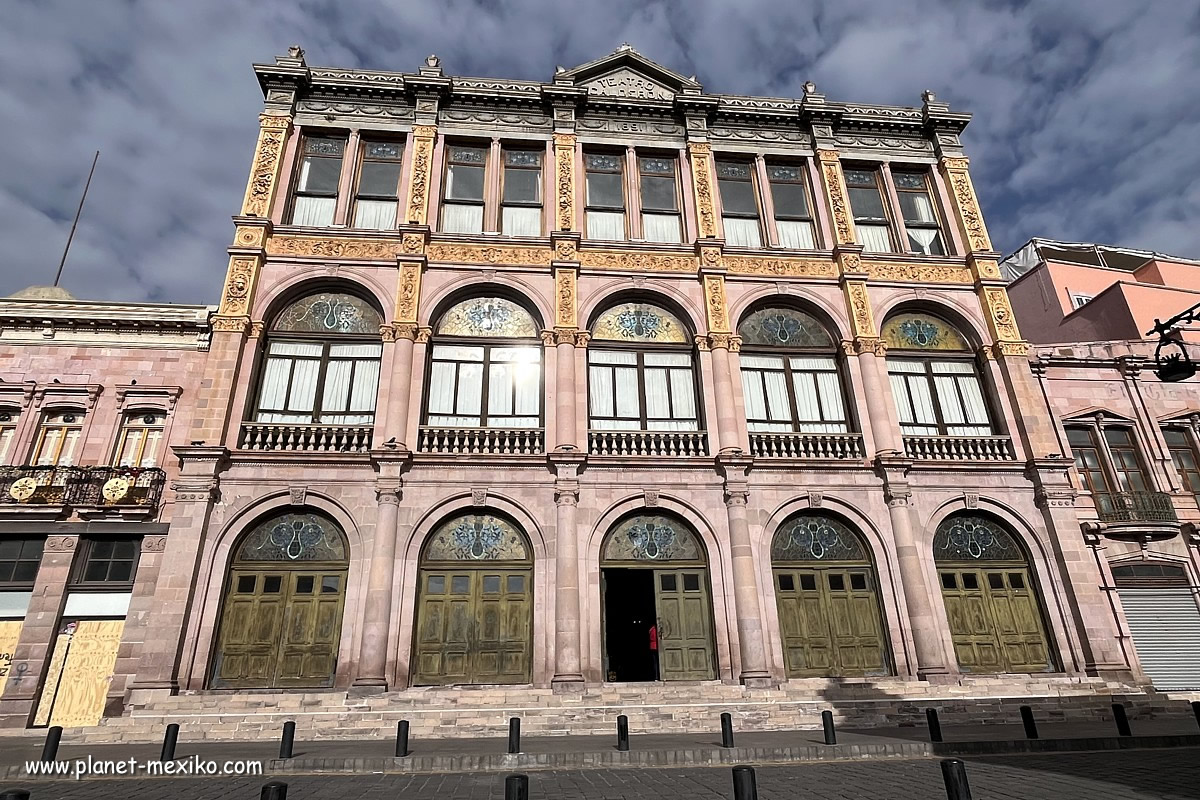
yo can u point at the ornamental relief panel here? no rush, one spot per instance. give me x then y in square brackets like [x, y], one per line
[648, 262]
[860, 309]
[714, 301]
[699, 153]
[489, 254]
[408, 292]
[917, 273]
[418, 188]
[965, 204]
[499, 119]
[376, 112]
[564, 160]
[565, 298]
[781, 267]
[313, 247]
[835, 191]
[1001, 314]
[239, 283]
[268, 158]
[758, 134]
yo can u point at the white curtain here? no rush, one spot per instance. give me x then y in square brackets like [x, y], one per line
[314, 211]
[830, 390]
[658, 394]
[765, 393]
[458, 218]
[796, 234]
[377, 215]
[521, 221]
[921, 208]
[351, 385]
[914, 401]
[514, 387]
[6, 440]
[922, 239]
[742, 232]
[607, 225]
[661, 228]
[874, 238]
[968, 416]
[668, 377]
[70, 442]
[441, 388]
[304, 385]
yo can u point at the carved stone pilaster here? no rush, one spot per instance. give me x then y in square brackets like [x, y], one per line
[268, 161]
[700, 158]
[417, 204]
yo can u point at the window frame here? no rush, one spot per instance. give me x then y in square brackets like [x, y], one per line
[640, 349]
[671, 156]
[125, 427]
[805, 184]
[927, 361]
[756, 195]
[296, 192]
[24, 586]
[362, 159]
[448, 161]
[939, 223]
[880, 185]
[11, 427]
[1189, 447]
[1097, 430]
[487, 344]
[78, 580]
[622, 161]
[42, 427]
[501, 203]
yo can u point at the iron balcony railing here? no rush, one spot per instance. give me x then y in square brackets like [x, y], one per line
[959, 448]
[1135, 507]
[36, 486]
[648, 443]
[113, 487]
[806, 445]
[496, 441]
[288, 438]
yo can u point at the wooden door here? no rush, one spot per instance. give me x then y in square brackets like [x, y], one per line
[80, 673]
[474, 626]
[995, 620]
[685, 649]
[830, 622]
[280, 628]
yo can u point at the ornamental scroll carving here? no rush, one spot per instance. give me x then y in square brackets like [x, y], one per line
[473, 254]
[700, 154]
[917, 273]
[955, 170]
[781, 267]
[408, 290]
[1001, 313]
[860, 308]
[835, 190]
[564, 293]
[268, 159]
[418, 187]
[564, 159]
[714, 300]
[238, 285]
[312, 247]
[230, 324]
[641, 262]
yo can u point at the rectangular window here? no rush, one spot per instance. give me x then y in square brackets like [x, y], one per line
[660, 199]
[351, 384]
[140, 438]
[19, 562]
[477, 386]
[345, 378]
[793, 394]
[521, 193]
[109, 561]
[289, 384]
[633, 391]
[920, 219]
[938, 398]
[1184, 456]
[866, 204]
[58, 440]
[1088, 460]
[1127, 463]
[9, 417]
[605, 176]
[316, 192]
[462, 196]
[789, 194]
[1080, 300]
[378, 194]
[739, 204]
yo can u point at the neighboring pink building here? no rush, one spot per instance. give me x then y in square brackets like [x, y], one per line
[1076, 292]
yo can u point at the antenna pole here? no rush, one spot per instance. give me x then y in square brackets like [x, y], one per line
[78, 211]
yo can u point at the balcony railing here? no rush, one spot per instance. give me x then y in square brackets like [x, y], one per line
[499, 441]
[806, 445]
[285, 438]
[1135, 507]
[959, 448]
[100, 487]
[648, 443]
[36, 486]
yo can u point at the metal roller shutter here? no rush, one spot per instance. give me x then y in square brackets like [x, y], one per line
[1165, 624]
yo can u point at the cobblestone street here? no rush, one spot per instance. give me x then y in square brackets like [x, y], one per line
[1136, 775]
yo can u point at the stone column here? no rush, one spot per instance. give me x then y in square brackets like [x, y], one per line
[871, 364]
[568, 674]
[372, 651]
[401, 383]
[751, 642]
[729, 439]
[566, 425]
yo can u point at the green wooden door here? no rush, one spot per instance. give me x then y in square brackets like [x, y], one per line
[829, 621]
[685, 648]
[994, 618]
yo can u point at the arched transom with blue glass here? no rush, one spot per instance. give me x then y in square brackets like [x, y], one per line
[293, 537]
[477, 537]
[974, 538]
[652, 538]
[812, 537]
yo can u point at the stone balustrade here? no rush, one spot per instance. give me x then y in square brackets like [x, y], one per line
[498, 441]
[289, 438]
[806, 445]
[959, 448]
[648, 443]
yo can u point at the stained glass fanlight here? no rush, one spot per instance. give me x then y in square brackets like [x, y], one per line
[651, 538]
[329, 312]
[967, 537]
[294, 537]
[489, 317]
[813, 537]
[477, 537]
[640, 322]
[916, 331]
[783, 327]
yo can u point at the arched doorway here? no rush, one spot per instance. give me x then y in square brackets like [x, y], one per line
[991, 600]
[658, 622]
[475, 604]
[825, 586]
[281, 618]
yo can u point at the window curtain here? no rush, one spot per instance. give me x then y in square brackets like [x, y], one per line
[314, 211]
[873, 238]
[920, 208]
[351, 385]
[521, 221]
[613, 390]
[661, 228]
[606, 225]
[448, 405]
[961, 397]
[796, 234]
[742, 232]
[460, 218]
[514, 388]
[669, 383]
[376, 215]
[764, 389]
[923, 239]
[914, 401]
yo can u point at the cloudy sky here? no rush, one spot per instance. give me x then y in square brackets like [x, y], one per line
[1087, 112]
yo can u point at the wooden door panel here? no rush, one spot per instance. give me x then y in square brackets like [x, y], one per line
[829, 628]
[995, 627]
[684, 624]
[87, 673]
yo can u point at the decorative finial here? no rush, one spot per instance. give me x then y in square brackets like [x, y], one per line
[433, 61]
[296, 51]
[928, 96]
[625, 46]
[692, 77]
[810, 87]
[559, 69]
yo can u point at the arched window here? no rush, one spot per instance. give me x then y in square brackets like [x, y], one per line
[641, 375]
[934, 378]
[322, 362]
[790, 376]
[485, 367]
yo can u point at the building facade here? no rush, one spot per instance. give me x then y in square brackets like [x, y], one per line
[600, 381]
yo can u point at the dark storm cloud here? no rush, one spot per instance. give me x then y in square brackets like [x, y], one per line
[1087, 112]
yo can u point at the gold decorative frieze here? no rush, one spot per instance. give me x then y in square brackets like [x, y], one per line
[489, 254]
[408, 292]
[230, 324]
[966, 206]
[422, 170]
[861, 316]
[317, 247]
[700, 155]
[917, 273]
[1020, 348]
[835, 196]
[564, 160]
[239, 285]
[268, 161]
[648, 262]
[565, 314]
[714, 303]
[781, 267]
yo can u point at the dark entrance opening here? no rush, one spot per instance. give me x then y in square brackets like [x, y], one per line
[629, 614]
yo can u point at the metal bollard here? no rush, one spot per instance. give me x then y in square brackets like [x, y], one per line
[1121, 720]
[514, 735]
[827, 724]
[274, 790]
[402, 738]
[516, 787]
[622, 733]
[935, 725]
[1029, 722]
[1196, 710]
[954, 774]
[286, 741]
[50, 748]
[14, 794]
[727, 730]
[170, 738]
[744, 785]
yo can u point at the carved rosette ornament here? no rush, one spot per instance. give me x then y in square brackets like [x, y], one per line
[564, 298]
[835, 195]
[714, 301]
[966, 206]
[268, 160]
[412, 244]
[418, 186]
[249, 236]
[565, 250]
[61, 544]
[408, 291]
[700, 155]
[239, 284]
[564, 161]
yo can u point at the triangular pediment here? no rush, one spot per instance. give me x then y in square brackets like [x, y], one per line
[626, 73]
[1090, 413]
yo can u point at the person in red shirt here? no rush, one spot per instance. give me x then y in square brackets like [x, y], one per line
[654, 648]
